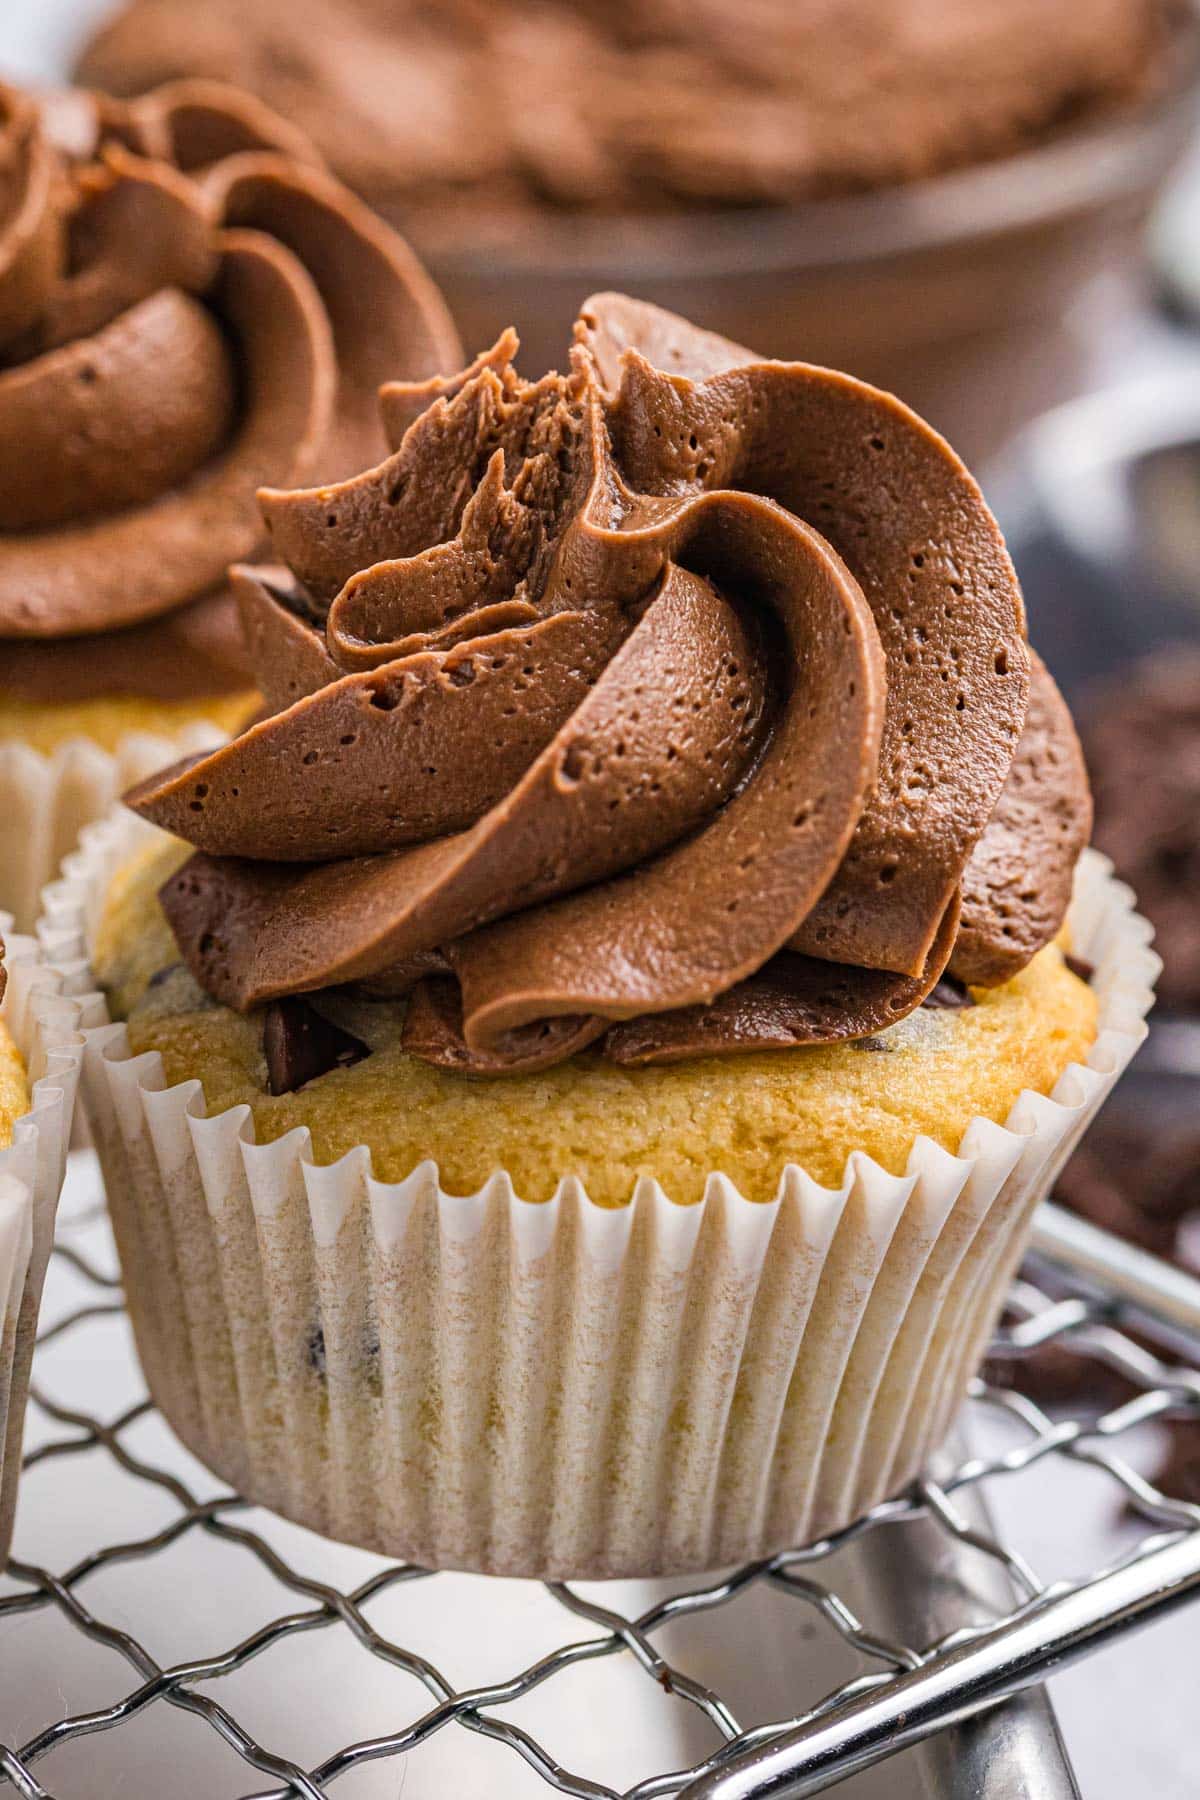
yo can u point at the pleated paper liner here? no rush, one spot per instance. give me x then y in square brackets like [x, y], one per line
[45, 1025]
[45, 801]
[560, 1389]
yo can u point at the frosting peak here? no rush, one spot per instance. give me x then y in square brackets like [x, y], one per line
[182, 293]
[679, 690]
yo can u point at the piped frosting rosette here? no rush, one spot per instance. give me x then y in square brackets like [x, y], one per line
[679, 704]
[183, 301]
[43, 1024]
[189, 306]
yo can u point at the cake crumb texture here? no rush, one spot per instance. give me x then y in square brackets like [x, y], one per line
[744, 1116]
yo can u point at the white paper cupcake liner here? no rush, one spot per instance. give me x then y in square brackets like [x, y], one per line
[45, 1025]
[561, 1389]
[45, 801]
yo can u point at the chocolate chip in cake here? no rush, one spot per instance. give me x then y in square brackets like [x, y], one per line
[1080, 966]
[315, 1350]
[949, 995]
[300, 1044]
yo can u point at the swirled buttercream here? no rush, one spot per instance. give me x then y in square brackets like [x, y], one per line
[677, 701]
[189, 306]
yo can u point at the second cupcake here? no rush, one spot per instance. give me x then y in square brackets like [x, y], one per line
[189, 306]
[578, 1106]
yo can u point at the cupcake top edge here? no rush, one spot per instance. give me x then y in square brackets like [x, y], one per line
[680, 702]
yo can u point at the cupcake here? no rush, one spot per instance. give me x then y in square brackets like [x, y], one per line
[39, 1071]
[189, 306]
[584, 1062]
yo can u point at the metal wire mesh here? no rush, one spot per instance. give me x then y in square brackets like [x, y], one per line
[590, 1631]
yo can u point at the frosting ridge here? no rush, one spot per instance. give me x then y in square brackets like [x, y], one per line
[667, 701]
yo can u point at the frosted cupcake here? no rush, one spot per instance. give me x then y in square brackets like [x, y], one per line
[184, 303]
[577, 1106]
[39, 1071]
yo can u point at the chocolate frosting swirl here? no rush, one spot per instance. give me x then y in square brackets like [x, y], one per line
[674, 701]
[183, 300]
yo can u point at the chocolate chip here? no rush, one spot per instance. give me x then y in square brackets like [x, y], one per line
[871, 1043]
[1080, 966]
[298, 600]
[164, 974]
[300, 1044]
[949, 995]
[317, 1359]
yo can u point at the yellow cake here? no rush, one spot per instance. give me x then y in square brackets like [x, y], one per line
[14, 1089]
[747, 1116]
[106, 720]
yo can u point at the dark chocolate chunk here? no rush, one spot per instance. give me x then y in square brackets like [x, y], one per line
[949, 995]
[1080, 966]
[300, 1044]
[318, 1361]
[162, 975]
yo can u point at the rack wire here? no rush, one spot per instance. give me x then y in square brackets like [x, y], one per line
[741, 1757]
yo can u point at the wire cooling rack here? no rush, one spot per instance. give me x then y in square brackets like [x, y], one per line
[336, 1638]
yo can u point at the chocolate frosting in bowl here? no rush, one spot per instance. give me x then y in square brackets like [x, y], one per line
[461, 111]
[184, 295]
[671, 703]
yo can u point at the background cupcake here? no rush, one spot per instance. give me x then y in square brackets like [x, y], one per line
[189, 306]
[661, 805]
[39, 1072]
